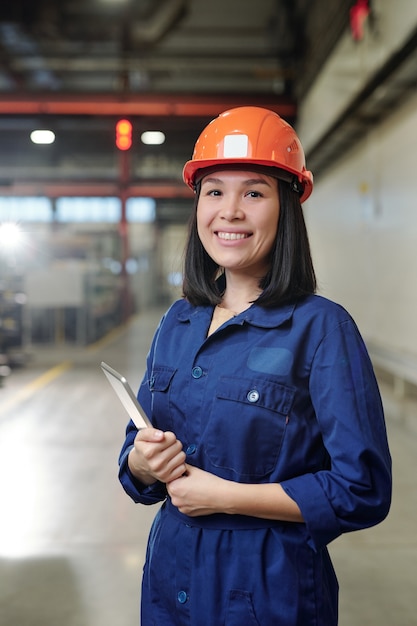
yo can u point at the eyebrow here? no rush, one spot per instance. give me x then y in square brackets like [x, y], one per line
[249, 181]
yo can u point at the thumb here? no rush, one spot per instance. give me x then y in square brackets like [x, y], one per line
[150, 434]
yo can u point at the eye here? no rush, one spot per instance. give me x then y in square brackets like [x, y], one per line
[213, 192]
[254, 194]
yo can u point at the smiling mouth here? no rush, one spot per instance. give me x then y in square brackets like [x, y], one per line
[232, 236]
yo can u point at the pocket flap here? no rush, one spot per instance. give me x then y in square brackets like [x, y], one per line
[265, 393]
[161, 378]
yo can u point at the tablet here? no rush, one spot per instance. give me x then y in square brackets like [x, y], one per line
[126, 396]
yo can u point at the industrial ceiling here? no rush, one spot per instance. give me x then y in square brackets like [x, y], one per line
[77, 66]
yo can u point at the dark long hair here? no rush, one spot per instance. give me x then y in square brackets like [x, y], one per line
[291, 273]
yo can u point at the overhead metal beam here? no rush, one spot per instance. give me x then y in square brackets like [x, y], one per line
[82, 189]
[154, 105]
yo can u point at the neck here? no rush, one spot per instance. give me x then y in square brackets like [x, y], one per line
[240, 293]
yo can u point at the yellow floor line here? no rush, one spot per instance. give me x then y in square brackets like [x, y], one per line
[31, 388]
[110, 336]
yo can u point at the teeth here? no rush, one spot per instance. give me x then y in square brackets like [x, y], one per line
[231, 236]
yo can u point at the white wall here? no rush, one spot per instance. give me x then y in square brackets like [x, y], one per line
[362, 221]
[352, 64]
[362, 216]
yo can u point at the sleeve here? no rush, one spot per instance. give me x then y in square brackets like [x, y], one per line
[140, 493]
[355, 491]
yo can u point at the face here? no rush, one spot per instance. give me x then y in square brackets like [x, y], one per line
[237, 219]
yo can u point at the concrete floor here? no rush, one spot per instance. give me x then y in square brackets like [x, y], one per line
[72, 544]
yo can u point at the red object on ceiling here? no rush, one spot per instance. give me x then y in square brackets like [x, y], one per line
[123, 134]
[358, 14]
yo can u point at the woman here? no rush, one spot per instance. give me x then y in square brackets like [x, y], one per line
[269, 438]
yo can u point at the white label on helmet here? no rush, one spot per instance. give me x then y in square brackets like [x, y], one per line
[235, 146]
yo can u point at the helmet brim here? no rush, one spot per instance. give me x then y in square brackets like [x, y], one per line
[194, 170]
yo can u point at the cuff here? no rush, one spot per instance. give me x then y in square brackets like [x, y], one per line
[320, 519]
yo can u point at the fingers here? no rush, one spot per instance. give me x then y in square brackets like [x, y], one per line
[172, 469]
[159, 454]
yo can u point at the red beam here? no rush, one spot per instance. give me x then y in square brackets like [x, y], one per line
[95, 189]
[136, 104]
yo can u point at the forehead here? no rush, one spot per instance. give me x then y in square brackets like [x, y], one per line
[239, 176]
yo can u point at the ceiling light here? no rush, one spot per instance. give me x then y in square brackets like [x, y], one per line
[152, 137]
[42, 136]
[11, 236]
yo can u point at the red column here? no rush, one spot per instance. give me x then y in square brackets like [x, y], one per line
[124, 177]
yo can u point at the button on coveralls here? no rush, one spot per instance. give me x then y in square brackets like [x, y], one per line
[284, 395]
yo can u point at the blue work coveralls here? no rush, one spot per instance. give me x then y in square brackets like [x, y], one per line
[282, 395]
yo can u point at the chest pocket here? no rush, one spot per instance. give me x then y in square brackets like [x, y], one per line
[247, 425]
[160, 385]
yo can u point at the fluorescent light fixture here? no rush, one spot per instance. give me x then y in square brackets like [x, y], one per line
[42, 136]
[152, 137]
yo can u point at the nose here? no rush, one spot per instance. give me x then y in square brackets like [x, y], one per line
[231, 208]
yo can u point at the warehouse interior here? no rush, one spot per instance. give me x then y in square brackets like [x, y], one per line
[91, 240]
[76, 68]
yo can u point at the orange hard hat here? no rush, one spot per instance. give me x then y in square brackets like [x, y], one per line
[250, 136]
